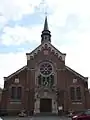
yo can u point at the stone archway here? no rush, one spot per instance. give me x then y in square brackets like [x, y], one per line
[46, 102]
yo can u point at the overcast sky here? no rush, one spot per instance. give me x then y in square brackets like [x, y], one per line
[21, 24]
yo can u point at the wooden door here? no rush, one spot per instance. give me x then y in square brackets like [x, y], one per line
[45, 105]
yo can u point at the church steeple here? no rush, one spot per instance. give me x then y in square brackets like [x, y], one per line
[45, 36]
[46, 24]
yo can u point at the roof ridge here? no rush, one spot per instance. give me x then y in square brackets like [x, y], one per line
[17, 71]
[42, 45]
[70, 69]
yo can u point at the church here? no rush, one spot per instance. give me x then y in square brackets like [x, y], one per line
[45, 83]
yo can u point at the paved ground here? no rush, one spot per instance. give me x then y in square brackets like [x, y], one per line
[36, 118]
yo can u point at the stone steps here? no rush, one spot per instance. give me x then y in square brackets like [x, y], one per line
[46, 114]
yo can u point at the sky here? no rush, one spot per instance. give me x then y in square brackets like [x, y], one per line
[21, 24]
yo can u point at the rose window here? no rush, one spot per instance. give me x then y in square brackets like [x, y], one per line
[46, 69]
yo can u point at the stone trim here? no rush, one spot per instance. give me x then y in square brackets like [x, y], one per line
[37, 72]
[54, 103]
[77, 74]
[15, 102]
[15, 73]
[42, 46]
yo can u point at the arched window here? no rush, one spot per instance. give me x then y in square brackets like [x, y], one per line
[46, 81]
[46, 74]
[13, 92]
[78, 93]
[16, 92]
[75, 93]
[72, 93]
[19, 92]
[39, 80]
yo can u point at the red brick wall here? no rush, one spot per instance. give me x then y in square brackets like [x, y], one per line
[27, 80]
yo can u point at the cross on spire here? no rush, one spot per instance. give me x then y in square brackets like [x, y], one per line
[45, 6]
[46, 34]
[46, 13]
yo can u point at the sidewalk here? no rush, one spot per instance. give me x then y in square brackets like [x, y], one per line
[37, 118]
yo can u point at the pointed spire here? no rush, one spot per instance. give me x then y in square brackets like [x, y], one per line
[46, 36]
[46, 24]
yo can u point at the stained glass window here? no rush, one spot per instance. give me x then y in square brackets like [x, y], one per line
[52, 79]
[46, 68]
[39, 79]
[46, 81]
[45, 77]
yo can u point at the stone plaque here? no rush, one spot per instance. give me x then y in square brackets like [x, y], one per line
[16, 80]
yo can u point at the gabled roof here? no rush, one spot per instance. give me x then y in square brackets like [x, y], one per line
[77, 74]
[41, 45]
[68, 68]
[56, 51]
[35, 51]
[15, 73]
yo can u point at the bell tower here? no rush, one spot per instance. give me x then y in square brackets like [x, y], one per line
[46, 34]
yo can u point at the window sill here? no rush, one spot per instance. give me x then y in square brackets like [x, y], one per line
[77, 103]
[76, 100]
[15, 101]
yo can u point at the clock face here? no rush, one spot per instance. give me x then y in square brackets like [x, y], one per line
[46, 69]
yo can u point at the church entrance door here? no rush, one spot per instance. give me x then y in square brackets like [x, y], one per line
[45, 105]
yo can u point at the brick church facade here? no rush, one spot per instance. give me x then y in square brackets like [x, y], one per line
[45, 84]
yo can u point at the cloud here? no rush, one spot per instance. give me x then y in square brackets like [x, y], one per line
[15, 9]
[69, 23]
[2, 21]
[20, 34]
[9, 63]
[64, 8]
[77, 58]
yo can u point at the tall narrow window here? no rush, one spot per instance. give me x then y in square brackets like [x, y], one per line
[78, 93]
[52, 79]
[72, 93]
[19, 92]
[13, 92]
[39, 80]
